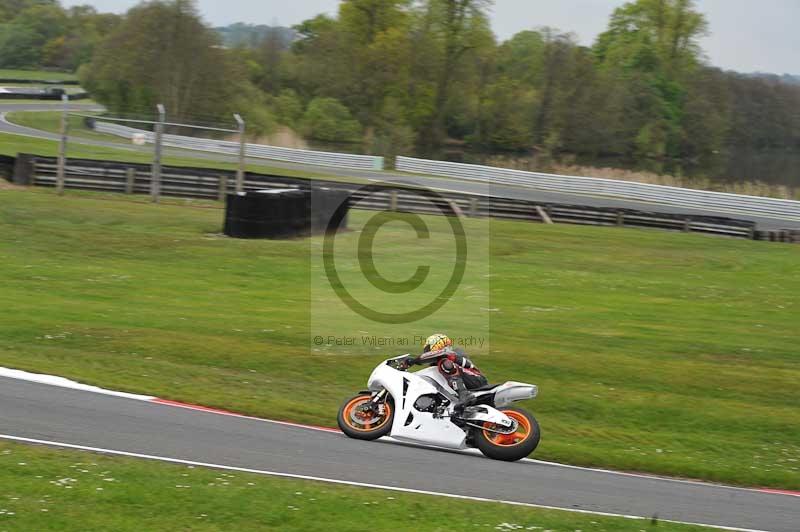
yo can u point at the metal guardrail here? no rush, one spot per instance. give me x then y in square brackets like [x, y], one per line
[340, 160]
[133, 178]
[681, 197]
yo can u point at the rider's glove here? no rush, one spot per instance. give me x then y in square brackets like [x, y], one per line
[406, 362]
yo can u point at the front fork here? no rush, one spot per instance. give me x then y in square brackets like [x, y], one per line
[378, 401]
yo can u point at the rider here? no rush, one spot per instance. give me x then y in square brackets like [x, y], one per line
[459, 371]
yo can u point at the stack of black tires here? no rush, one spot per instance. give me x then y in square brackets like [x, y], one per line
[286, 213]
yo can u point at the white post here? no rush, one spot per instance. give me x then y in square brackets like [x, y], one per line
[155, 185]
[62, 150]
[242, 151]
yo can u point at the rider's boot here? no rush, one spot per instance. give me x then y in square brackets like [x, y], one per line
[465, 398]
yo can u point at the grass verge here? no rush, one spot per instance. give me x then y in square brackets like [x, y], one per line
[12, 145]
[36, 75]
[44, 489]
[654, 351]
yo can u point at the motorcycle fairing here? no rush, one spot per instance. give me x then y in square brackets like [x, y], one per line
[412, 425]
[409, 424]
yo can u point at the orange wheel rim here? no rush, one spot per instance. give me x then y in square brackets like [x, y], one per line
[523, 432]
[365, 424]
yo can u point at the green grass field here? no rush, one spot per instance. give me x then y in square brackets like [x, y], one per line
[654, 351]
[36, 75]
[43, 489]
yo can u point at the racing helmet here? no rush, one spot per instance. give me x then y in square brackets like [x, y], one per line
[437, 342]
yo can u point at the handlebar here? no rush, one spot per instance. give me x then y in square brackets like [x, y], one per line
[400, 364]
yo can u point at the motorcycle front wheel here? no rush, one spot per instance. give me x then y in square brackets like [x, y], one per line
[510, 447]
[357, 420]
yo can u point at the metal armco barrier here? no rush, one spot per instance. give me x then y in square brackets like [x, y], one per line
[681, 197]
[320, 158]
[200, 183]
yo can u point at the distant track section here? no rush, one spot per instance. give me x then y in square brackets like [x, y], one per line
[626, 190]
[260, 151]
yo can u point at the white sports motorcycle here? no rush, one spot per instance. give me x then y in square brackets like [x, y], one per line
[419, 407]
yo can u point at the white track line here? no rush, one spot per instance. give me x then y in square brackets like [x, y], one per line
[66, 383]
[350, 483]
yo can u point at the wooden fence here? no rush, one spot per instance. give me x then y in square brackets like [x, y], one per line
[134, 178]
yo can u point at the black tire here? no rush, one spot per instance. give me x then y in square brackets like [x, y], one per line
[369, 434]
[514, 451]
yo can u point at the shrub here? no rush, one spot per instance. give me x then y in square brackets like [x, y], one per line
[327, 119]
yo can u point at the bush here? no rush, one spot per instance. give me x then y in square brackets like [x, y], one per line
[288, 108]
[260, 121]
[327, 119]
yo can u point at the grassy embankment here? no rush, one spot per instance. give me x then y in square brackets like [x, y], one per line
[36, 75]
[13, 144]
[654, 351]
[43, 489]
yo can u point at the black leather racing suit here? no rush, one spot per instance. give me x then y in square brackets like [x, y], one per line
[460, 372]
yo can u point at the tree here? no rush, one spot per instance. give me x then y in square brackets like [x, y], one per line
[654, 44]
[359, 58]
[454, 24]
[41, 33]
[654, 35]
[47, 20]
[10, 9]
[31, 23]
[19, 46]
[393, 134]
[163, 53]
[270, 53]
[557, 52]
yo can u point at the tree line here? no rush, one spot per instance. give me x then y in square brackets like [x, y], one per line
[398, 74]
[42, 34]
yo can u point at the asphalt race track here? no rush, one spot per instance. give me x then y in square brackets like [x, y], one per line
[67, 416]
[438, 183]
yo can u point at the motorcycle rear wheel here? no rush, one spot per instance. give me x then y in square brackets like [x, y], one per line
[510, 447]
[364, 425]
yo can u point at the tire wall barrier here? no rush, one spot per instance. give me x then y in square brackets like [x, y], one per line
[7, 167]
[285, 213]
[24, 169]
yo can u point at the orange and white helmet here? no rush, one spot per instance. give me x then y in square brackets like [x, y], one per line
[437, 342]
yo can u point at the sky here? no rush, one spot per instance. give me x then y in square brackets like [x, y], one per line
[746, 35]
